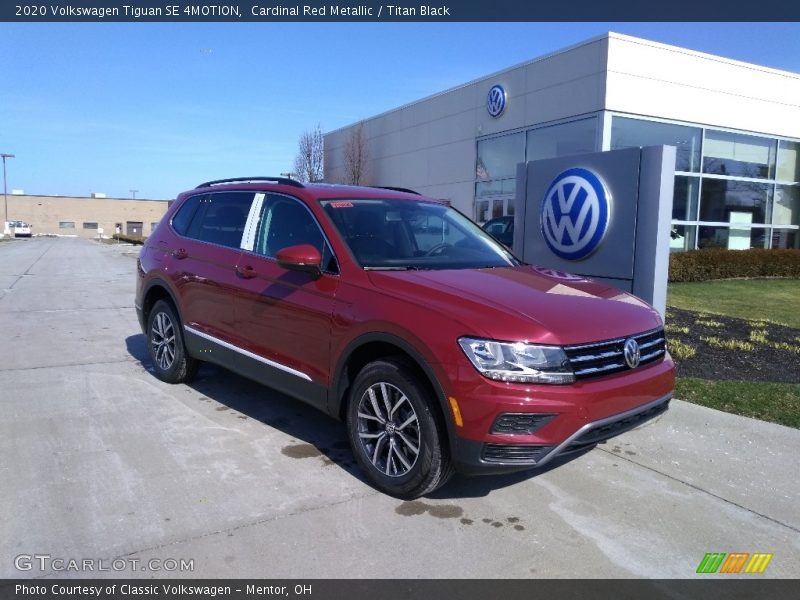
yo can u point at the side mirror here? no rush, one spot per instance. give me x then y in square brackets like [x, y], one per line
[303, 257]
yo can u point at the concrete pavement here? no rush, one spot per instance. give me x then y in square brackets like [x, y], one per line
[100, 460]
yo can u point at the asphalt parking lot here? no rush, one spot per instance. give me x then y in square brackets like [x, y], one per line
[100, 460]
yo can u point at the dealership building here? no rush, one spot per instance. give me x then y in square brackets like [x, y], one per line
[736, 127]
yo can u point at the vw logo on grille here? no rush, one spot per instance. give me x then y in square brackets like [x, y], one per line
[632, 354]
[575, 214]
[496, 101]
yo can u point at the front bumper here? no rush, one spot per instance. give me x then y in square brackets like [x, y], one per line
[474, 457]
[579, 415]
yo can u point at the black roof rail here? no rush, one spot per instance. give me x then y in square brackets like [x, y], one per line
[281, 180]
[397, 189]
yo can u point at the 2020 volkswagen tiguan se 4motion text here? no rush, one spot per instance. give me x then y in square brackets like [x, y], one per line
[398, 315]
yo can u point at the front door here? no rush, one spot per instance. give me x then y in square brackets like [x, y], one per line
[285, 315]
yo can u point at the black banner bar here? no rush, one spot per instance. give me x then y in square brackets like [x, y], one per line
[172, 11]
[730, 588]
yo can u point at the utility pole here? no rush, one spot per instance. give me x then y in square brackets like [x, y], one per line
[134, 193]
[5, 192]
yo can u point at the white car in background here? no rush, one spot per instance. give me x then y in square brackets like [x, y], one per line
[20, 228]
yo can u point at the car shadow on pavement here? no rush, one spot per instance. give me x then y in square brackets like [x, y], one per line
[313, 433]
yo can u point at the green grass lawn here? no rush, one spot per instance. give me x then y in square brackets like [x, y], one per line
[774, 402]
[776, 300]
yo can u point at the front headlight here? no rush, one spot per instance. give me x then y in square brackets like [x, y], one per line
[518, 362]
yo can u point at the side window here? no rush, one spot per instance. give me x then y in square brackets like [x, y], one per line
[182, 218]
[221, 218]
[287, 222]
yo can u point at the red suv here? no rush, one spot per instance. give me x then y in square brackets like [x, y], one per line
[397, 314]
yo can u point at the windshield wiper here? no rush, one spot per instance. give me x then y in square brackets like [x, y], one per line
[388, 268]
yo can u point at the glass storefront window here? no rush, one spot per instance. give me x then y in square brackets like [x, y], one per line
[738, 155]
[495, 188]
[498, 157]
[787, 205]
[733, 237]
[633, 133]
[497, 208]
[481, 211]
[788, 161]
[684, 199]
[575, 137]
[785, 238]
[682, 238]
[734, 201]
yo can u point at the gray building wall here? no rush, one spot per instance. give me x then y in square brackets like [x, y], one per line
[430, 145]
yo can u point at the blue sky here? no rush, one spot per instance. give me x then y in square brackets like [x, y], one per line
[106, 107]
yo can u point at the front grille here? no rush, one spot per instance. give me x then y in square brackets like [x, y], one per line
[606, 358]
[515, 454]
[595, 435]
[520, 423]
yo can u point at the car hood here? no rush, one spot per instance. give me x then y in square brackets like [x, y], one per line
[525, 303]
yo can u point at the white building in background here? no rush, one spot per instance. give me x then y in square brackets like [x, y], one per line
[736, 127]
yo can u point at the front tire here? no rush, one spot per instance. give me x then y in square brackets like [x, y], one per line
[396, 432]
[168, 354]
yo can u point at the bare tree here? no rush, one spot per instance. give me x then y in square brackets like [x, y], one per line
[308, 162]
[356, 156]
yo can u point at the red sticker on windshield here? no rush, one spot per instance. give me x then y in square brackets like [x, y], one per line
[341, 205]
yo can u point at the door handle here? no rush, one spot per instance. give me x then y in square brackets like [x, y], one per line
[180, 253]
[246, 271]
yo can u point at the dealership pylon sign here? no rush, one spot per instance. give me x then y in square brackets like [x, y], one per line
[604, 215]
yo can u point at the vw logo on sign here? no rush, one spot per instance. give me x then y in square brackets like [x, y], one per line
[496, 101]
[632, 353]
[575, 214]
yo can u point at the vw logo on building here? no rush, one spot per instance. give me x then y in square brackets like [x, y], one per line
[496, 100]
[575, 214]
[632, 353]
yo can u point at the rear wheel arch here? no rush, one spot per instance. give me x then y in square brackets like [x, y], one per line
[158, 290]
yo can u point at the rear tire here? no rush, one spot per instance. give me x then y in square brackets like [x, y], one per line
[396, 432]
[166, 347]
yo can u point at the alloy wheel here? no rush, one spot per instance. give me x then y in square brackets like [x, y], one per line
[162, 338]
[388, 429]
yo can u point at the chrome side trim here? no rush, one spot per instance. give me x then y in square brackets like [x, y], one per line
[623, 415]
[248, 354]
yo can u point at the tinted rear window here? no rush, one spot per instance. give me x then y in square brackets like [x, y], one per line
[182, 218]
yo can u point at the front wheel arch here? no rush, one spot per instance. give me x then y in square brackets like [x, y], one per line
[375, 346]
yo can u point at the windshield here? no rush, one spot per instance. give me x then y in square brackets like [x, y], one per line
[404, 234]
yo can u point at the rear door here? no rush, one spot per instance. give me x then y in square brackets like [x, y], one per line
[203, 265]
[285, 316]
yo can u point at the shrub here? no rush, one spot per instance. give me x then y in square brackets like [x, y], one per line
[717, 263]
[131, 239]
